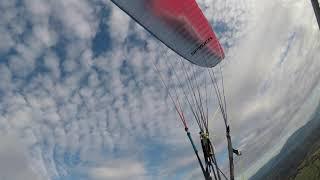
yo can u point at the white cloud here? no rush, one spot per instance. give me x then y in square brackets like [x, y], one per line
[120, 170]
[5, 78]
[66, 101]
[118, 24]
[14, 163]
[77, 17]
[6, 41]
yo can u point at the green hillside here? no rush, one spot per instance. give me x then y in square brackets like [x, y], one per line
[299, 159]
[309, 169]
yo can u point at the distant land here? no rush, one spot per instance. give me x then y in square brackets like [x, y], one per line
[299, 159]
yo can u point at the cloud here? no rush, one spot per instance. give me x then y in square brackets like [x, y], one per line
[119, 24]
[75, 110]
[120, 169]
[14, 160]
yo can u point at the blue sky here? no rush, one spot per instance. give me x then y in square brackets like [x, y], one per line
[79, 97]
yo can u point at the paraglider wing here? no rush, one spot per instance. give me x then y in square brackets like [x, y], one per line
[316, 8]
[180, 25]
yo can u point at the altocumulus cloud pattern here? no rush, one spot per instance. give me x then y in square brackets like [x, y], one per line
[79, 98]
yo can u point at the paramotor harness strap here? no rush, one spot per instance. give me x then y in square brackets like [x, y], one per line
[211, 166]
[205, 174]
